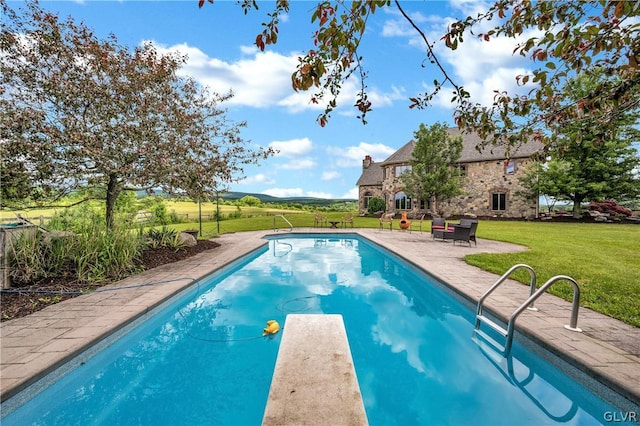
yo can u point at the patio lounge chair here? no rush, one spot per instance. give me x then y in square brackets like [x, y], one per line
[348, 218]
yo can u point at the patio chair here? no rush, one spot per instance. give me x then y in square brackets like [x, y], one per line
[439, 224]
[386, 219]
[464, 233]
[348, 218]
[472, 233]
[416, 224]
[319, 220]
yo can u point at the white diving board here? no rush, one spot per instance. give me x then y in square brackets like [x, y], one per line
[314, 382]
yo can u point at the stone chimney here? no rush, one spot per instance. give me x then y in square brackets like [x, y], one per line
[366, 162]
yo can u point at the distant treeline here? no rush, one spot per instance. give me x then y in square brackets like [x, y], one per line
[307, 201]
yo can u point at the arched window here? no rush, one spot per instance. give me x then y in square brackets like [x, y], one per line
[402, 201]
[367, 198]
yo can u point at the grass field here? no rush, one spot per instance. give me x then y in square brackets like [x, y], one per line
[184, 209]
[603, 258]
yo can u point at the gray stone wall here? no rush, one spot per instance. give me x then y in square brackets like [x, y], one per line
[488, 177]
[375, 190]
[482, 180]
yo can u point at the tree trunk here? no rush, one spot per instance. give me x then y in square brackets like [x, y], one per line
[112, 195]
[577, 203]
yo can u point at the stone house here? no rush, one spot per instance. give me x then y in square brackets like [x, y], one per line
[491, 181]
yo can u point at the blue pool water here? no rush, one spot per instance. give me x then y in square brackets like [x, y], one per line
[202, 360]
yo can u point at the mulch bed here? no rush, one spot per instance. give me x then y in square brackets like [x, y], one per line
[16, 305]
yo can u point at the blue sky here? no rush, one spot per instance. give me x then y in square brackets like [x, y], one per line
[312, 161]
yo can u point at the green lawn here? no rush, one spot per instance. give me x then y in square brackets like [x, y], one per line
[603, 258]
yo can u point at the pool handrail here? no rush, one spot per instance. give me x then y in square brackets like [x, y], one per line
[528, 304]
[276, 229]
[573, 322]
[503, 278]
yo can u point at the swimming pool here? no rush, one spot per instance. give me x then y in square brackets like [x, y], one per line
[202, 360]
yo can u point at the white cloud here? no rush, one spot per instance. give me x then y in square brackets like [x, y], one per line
[480, 66]
[284, 192]
[300, 101]
[349, 90]
[292, 147]
[263, 79]
[249, 50]
[298, 164]
[259, 178]
[330, 175]
[259, 79]
[398, 26]
[297, 151]
[352, 156]
[470, 7]
[352, 194]
[316, 194]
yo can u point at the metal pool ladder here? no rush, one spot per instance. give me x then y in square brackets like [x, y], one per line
[528, 304]
[285, 219]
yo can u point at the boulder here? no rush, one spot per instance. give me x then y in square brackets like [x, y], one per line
[187, 239]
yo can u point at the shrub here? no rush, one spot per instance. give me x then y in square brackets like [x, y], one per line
[88, 251]
[249, 200]
[160, 214]
[163, 237]
[376, 205]
[235, 215]
[26, 258]
[610, 207]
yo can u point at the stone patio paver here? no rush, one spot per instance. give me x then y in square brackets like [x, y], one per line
[33, 346]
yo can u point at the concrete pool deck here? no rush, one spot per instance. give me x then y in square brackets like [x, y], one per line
[33, 346]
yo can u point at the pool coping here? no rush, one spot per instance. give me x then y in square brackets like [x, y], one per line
[33, 346]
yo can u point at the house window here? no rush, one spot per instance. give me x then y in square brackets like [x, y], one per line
[402, 201]
[509, 167]
[499, 201]
[462, 169]
[424, 204]
[402, 169]
[367, 198]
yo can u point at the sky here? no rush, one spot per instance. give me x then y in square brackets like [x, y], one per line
[312, 161]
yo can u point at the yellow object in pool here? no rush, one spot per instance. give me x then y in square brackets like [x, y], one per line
[272, 327]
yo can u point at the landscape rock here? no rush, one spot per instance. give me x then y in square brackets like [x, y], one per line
[187, 240]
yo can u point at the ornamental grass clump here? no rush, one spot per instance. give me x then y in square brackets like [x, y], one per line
[85, 251]
[164, 237]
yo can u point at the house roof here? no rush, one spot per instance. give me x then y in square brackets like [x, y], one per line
[371, 175]
[470, 153]
[402, 155]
